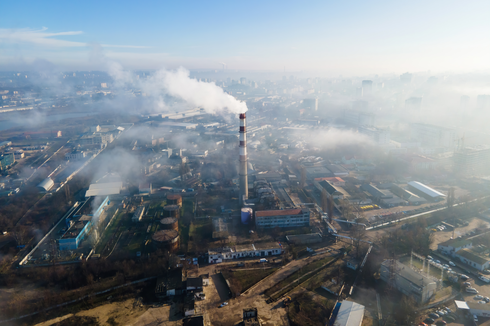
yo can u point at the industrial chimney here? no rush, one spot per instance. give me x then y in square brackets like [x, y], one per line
[243, 160]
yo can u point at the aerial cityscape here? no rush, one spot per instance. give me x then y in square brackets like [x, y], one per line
[295, 164]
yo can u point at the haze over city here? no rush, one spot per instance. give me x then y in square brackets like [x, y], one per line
[256, 163]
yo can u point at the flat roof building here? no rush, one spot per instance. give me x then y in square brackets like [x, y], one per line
[425, 191]
[349, 314]
[297, 217]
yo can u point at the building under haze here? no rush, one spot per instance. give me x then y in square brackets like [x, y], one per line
[357, 118]
[472, 161]
[483, 102]
[311, 104]
[377, 135]
[367, 87]
[432, 136]
[413, 103]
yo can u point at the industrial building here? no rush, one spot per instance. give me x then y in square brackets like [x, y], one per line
[347, 313]
[138, 214]
[76, 233]
[472, 161]
[45, 185]
[243, 195]
[331, 190]
[104, 189]
[75, 155]
[408, 281]
[297, 217]
[424, 191]
[304, 238]
[217, 255]
[410, 197]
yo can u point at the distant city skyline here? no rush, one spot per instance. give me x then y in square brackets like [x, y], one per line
[318, 36]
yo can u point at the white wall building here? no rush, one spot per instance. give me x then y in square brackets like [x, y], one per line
[217, 255]
[430, 135]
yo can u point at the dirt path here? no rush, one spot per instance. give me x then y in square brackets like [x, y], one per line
[269, 314]
[124, 313]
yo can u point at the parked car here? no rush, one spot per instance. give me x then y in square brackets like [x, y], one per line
[464, 277]
[467, 284]
[429, 321]
[486, 299]
[440, 322]
[223, 304]
[438, 261]
[452, 264]
[433, 315]
[430, 258]
[481, 302]
[472, 290]
[448, 309]
[475, 318]
[484, 279]
[478, 297]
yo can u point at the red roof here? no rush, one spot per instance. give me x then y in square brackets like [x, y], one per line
[279, 212]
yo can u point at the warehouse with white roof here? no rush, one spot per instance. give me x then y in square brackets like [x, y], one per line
[425, 191]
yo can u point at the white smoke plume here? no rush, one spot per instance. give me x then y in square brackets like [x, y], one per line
[178, 84]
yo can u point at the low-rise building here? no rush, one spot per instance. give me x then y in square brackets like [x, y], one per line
[450, 247]
[297, 217]
[72, 238]
[251, 317]
[304, 238]
[75, 155]
[472, 258]
[348, 314]
[332, 191]
[217, 255]
[408, 281]
[138, 214]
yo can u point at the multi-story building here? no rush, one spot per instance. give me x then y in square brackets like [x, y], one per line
[379, 136]
[367, 87]
[430, 135]
[6, 160]
[413, 103]
[408, 281]
[311, 103]
[297, 217]
[354, 117]
[471, 161]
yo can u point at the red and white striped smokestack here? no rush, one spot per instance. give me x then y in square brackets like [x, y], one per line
[243, 159]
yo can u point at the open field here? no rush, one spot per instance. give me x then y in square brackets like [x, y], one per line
[246, 278]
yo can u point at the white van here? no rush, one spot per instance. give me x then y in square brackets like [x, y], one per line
[472, 290]
[263, 260]
[484, 279]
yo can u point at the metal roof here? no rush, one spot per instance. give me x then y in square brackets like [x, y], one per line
[350, 314]
[461, 305]
[426, 190]
[104, 189]
[279, 212]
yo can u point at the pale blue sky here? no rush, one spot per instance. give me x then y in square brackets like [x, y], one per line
[352, 37]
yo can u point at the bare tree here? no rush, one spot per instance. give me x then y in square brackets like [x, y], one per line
[21, 235]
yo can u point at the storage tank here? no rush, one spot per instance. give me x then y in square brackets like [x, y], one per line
[171, 211]
[166, 240]
[246, 215]
[173, 199]
[170, 223]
